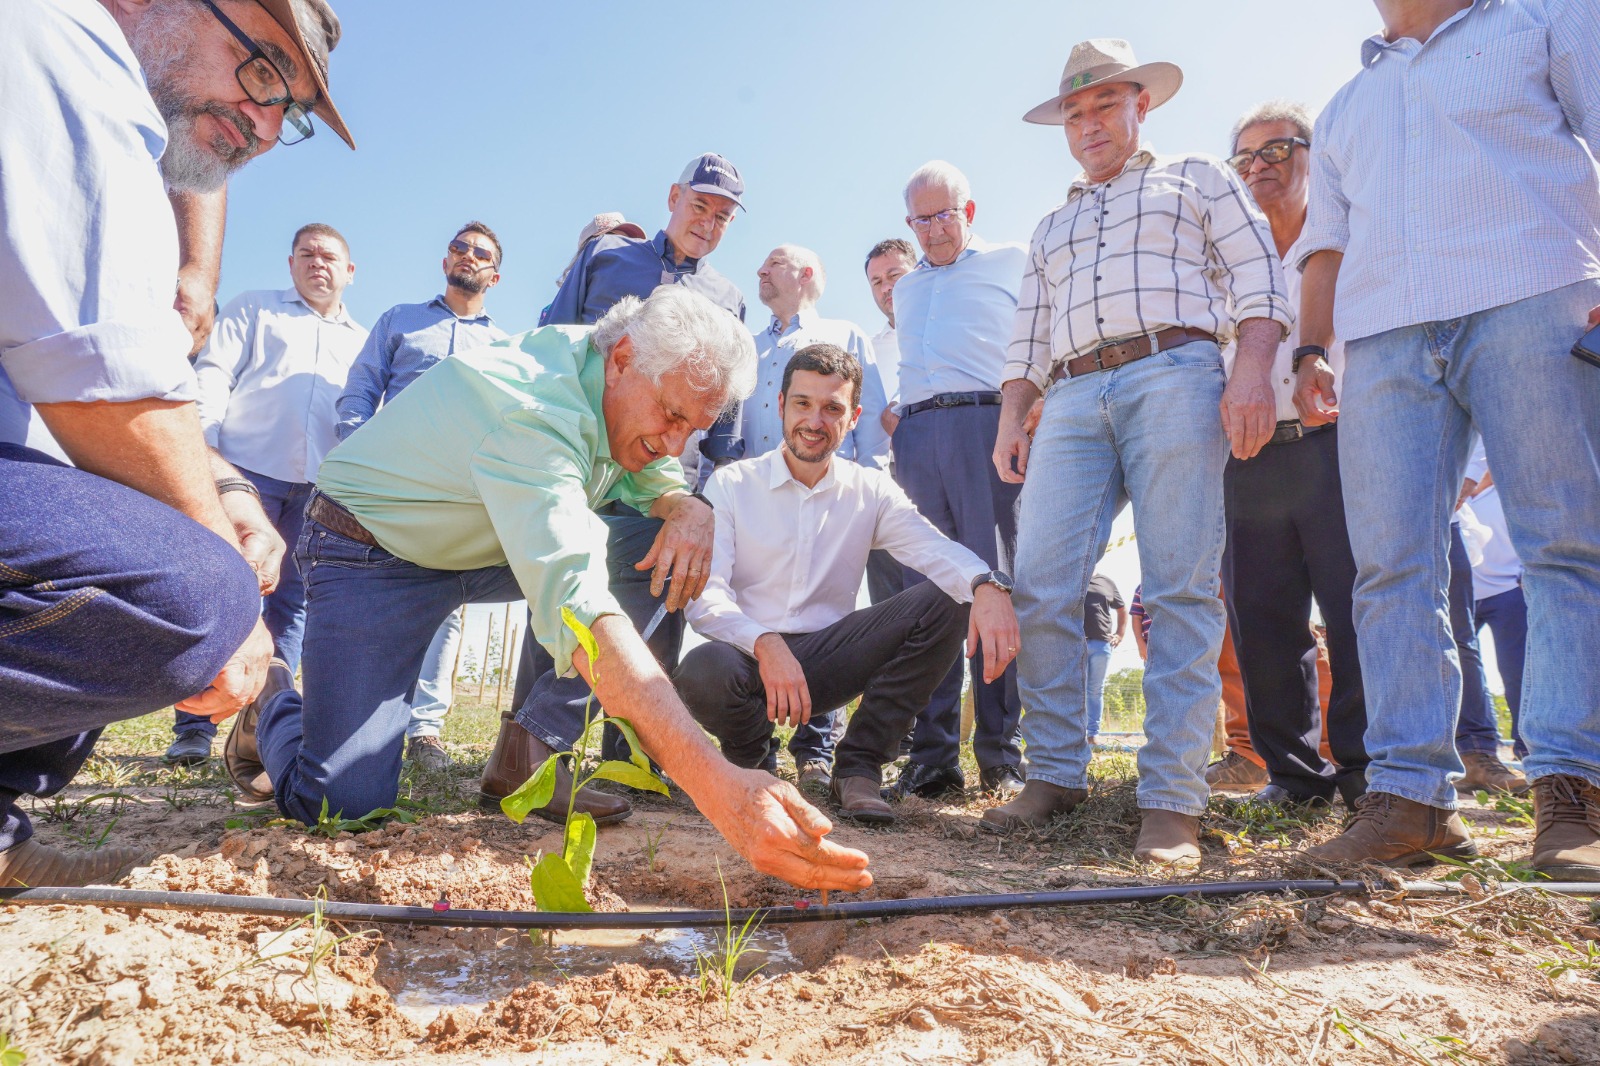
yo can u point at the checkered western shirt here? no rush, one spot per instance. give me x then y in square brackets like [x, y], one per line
[1167, 242]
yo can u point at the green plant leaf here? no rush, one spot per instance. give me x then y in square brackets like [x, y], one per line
[555, 888]
[585, 637]
[578, 845]
[533, 793]
[626, 773]
[636, 753]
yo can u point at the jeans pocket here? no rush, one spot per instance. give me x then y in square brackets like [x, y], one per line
[321, 546]
[1201, 355]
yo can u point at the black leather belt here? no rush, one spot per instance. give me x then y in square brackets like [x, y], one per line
[951, 399]
[333, 515]
[1119, 352]
[1294, 429]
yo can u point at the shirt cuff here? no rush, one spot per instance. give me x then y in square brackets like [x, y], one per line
[113, 362]
[1018, 370]
[588, 611]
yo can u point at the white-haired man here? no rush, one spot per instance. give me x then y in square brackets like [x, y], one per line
[1131, 283]
[129, 579]
[953, 316]
[1453, 244]
[790, 282]
[495, 501]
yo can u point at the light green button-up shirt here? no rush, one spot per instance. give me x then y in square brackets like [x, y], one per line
[498, 455]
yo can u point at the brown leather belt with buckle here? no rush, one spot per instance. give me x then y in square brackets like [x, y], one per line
[1119, 352]
[331, 514]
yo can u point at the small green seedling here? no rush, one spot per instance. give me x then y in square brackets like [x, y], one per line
[558, 881]
[719, 968]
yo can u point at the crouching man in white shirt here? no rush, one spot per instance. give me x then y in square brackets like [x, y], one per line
[793, 531]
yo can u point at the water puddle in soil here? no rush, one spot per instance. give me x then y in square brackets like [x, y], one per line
[473, 967]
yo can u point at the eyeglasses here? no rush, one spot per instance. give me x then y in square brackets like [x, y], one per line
[1274, 151]
[265, 84]
[922, 223]
[462, 248]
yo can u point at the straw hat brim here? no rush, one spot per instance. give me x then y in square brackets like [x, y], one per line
[1162, 79]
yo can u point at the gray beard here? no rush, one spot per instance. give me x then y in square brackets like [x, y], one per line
[161, 40]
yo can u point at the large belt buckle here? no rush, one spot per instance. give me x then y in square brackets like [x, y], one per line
[949, 399]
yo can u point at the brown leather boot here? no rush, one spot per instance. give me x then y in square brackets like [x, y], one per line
[517, 754]
[1036, 806]
[1168, 838]
[1566, 843]
[32, 865]
[858, 799]
[240, 753]
[1485, 771]
[1393, 831]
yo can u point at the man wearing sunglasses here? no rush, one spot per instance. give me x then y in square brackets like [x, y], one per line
[1287, 540]
[132, 581]
[407, 340]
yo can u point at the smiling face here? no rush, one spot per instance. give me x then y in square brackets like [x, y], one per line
[648, 420]
[1276, 186]
[189, 60]
[817, 413]
[882, 272]
[321, 268]
[697, 221]
[1102, 126]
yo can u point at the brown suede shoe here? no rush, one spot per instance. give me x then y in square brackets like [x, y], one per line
[1168, 838]
[1036, 806]
[858, 799]
[1485, 771]
[1566, 843]
[32, 865]
[1393, 831]
[517, 754]
[1235, 771]
[240, 753]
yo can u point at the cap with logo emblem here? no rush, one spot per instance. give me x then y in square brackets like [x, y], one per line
[711, 173]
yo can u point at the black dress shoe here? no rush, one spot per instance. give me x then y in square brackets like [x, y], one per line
[1279, 796]
[1004, 780]
[929, 782]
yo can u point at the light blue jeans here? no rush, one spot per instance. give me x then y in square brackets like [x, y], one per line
[1099, 660]
[1411, 398]
[436, 682]
[1149, 433]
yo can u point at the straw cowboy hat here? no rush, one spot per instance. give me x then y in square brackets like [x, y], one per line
[1107, 59]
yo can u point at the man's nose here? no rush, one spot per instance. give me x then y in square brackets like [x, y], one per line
[675, 439]
[266, 120]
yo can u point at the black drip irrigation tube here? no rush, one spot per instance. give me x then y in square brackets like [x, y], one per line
[441, 914]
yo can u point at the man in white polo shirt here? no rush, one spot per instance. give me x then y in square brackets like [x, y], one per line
[793, 531]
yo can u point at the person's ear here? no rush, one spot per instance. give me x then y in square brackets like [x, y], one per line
[972, 211]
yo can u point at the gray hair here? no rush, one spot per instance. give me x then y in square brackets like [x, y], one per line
[1273, 111]
[942, 175]
[678, 331]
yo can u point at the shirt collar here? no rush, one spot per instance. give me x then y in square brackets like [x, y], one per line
[975, 244]
[1376, 45]
[664, 248]
[1142, 156]
[341, 317]
[778, 473]
[803, 319]
[481, 316]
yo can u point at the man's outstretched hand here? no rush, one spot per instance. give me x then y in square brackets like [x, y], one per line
[768, 822]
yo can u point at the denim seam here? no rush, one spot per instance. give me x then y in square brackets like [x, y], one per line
[52, 614]
[18, 575]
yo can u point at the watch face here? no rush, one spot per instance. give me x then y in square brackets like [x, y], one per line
[1002, 579]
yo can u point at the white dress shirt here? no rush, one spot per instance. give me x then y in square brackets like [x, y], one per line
[269, 378]
[886, 350]
[88, 247]
[789, 559]
[1282, 375]
[953, 321]
[1451, 174]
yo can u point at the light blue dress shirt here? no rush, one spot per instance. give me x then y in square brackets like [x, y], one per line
[1449, 173]
[954, 322]
[88, 247]
[762, 428]
[406, 340]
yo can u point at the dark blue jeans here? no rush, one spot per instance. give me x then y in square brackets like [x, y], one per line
[1506, 615]
[1476, 729]
[111, 606]
[284, 612]
[369, 618]
[942, 460]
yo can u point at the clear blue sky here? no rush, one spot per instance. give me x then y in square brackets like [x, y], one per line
[533, 116]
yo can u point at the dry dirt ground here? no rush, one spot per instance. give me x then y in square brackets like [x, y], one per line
[1487, 978]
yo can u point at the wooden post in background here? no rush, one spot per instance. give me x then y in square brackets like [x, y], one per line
[483, 664]
[505, 646]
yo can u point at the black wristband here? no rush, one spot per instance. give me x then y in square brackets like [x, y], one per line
[237, 484]
[1302, 352]
[702, 498]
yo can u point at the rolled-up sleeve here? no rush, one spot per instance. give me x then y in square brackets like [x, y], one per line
[531, 480]
[217, 368]
[1028, 356]
[1241, 246]
[716, 614]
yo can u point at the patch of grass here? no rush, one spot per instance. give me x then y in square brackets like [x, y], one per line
[718, 969]
[11, 1053]
[1520, 809]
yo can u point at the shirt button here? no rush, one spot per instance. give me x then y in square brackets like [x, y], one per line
[1102, 244]
[1097, 277]
[1101, 321]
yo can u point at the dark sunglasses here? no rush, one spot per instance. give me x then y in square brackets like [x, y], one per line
[1274, 151]
[482, 255]
[265, 84]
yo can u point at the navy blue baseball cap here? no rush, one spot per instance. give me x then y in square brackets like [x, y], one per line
[710, 173]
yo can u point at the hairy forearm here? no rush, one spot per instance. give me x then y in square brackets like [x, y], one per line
[1016, 400]
[201, 219]
[666, 503]
[152, 446]
[1317, 285]
[1258, 344]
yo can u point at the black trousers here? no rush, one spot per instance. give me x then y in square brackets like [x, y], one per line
[892, 654]
[1288, 542]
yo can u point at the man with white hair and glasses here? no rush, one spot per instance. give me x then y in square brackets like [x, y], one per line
[953, 316]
